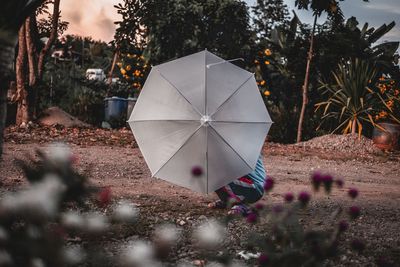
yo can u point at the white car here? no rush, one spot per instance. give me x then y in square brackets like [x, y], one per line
[95, 74]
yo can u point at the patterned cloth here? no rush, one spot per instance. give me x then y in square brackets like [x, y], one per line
[248, 189]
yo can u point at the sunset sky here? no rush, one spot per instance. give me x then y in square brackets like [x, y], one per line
[95, 17]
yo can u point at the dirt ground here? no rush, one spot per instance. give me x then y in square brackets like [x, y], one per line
[123, 169]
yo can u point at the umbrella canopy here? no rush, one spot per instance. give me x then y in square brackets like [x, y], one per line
[201, 112]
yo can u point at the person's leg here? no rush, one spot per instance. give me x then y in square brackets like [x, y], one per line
[245, 189]
[238, 193]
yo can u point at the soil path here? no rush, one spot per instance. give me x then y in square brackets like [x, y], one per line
[124, 170]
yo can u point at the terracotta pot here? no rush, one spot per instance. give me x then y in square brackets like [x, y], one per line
[387, 139]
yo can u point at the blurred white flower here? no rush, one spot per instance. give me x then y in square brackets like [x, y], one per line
[210, 234]
[237, 264]
[96, 223]
[214, 264]
[33, 232]
[139, 254]
[5, 258]
[41, 199]
[3, 235]
[185, 264]
[126, 212]
[60, 153]
[37, 263]
[248, 255]
[167, 234]
[73, 220]
[74, 255]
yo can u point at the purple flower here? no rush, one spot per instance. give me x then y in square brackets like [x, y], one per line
[343, 226]
[357, 245]
[304, 198]
[316, 179]
[104, 197]
[259, 206]
[353, 193]
[327, 180]
[354, 212]
[263, 260]
[289, 197]
[269, 184]
[251, 217]
[383, 262]
[277, 208]
[197, 171]
[339, 183]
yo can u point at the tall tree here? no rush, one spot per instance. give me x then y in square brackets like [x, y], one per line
[331, 7]
[27, 84]
[269, 14]
[176, 28]
[12, 16]
[335, 15]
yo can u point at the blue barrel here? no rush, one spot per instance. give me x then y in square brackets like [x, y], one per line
[131, 105]
[115, 110]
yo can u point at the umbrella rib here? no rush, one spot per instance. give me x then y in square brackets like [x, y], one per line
[251, 122]
[179, 149]
[165, 120]
[223, 103]
[223, 139]
[180, 93]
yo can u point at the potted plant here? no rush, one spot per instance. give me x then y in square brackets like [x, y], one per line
[386, 134]
[351, 97]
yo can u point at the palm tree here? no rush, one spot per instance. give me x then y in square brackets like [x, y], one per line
[12, 15]
[332, 8]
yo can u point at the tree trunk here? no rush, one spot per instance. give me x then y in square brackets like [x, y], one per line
[3, 111]
[52, 38]
[31, 35]
[20, 69]
[306, 80]
[8, 41]
[28, 95]
[110, 75]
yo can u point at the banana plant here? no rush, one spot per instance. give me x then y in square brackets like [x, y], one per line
[352, 99]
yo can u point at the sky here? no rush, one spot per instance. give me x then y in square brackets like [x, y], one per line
[96, 18]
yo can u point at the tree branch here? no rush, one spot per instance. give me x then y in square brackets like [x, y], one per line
[52, 38]
[30, 23]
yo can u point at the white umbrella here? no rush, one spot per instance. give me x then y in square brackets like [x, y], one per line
[200, 111]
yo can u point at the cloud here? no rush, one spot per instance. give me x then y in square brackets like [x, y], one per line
[93, 18]
[388, 8]
[105, 25]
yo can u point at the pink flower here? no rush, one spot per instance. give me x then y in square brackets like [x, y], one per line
[343, 226]
[263, 260]
[304, 197]
[316, 179]
[269, 184]
[259, 206]
[353, 193]
[251, 217]
[327, 180]
[197, 171]
[339, 183]
[104, 197]
[288, 197]
[354, 212]
[277, 208]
